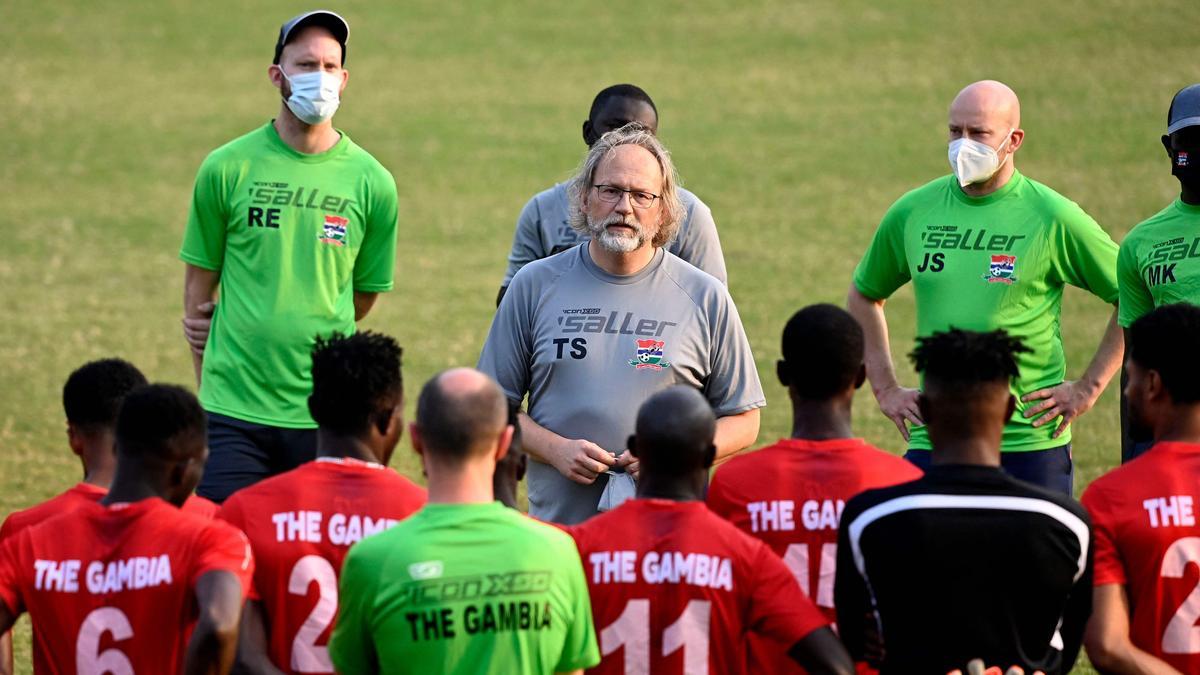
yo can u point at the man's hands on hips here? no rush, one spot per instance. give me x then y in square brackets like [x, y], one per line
[581, 461]
[900, 404]
[196, 329]
[1068, 400]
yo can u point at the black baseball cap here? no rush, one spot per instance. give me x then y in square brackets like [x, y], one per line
[329, 20]
[1185, 109]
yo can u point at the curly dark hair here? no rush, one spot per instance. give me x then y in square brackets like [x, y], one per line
[93, 394]
[959, 357]
[356, 379]
[1165, 340]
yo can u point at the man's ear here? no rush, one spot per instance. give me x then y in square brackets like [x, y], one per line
[275, 75]
[75, 438]
[710, 455]
[589, 134]
[861, 378]
[781, 371]
[1154, 388]
[504, 442]
[345, 79]
[631, 445]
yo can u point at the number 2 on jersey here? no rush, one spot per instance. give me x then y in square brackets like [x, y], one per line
[1182, 636]
[631, 630]
[307, 655]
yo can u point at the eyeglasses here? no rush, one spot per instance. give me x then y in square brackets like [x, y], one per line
[610, 194]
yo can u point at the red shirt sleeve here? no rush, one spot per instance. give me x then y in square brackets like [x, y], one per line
[778, 609]
[10, 575]
[231, 512]
[1108, 566]
[224, 547]
[716, 499]
[200, 506]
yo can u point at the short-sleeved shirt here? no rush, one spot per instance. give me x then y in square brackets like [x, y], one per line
[589, 347]
[1144, 514]
[993, 262]
[293, 236]
[116, 583]
[544, 228]
[463, 589]
[76, 496]
[675, 590]
[790, 496]
[965, 562]
[1159, 262]
[300, 525]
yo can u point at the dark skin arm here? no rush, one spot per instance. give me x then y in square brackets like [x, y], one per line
[363, 302]
[214, 643]
[820, 653]
[6, 653]
[7, 617]
[252, 650]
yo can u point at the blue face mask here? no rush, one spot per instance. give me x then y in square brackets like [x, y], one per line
[315, 96]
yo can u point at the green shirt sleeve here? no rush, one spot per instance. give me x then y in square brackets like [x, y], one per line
[579, 646]
[1085, 256]
[376, 262]
[352, 646]
[1135, 295]
[884, 267]
[204, 238]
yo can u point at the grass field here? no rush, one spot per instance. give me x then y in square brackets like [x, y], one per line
[798, 123]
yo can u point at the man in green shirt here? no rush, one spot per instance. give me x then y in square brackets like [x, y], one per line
[1159, 262]
[296, 224]
[465, 585]
[987, 248]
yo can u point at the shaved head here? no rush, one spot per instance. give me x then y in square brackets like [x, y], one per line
[460, 414]
[990, 100]
[675, 430]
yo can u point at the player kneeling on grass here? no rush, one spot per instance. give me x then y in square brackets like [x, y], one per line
[791, 494]
[120, 585]
[92, 397]
[1147, 540]
[465, 585]
[675, 588]
[302, 523]
[966, 562]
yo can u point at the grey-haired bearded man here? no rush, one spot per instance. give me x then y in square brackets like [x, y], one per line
[592, 332]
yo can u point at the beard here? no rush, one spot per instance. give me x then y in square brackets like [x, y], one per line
[612, 241]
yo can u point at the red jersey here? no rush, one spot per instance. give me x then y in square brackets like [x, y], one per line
[675, 589]
[300, 525]
[76, 496]
[112, 588]
[1146, 538]
[790, 495]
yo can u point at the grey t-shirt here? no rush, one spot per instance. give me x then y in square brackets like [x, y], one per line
[589, 347]
[544, 229]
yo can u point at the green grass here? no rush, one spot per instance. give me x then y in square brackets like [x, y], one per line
[798, 122]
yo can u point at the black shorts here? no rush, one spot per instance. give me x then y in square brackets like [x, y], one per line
[1051, 469]
[241, 453]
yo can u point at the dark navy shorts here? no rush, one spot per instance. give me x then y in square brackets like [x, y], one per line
[1051, 469]
[241, 453]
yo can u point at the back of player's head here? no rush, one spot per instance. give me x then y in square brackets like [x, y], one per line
[627, 91]
[1166, 340]
[356, 382]
[460, 414]
[962, 361]
[674, 433]
[160, 423]
[822, 352]
[93, 394]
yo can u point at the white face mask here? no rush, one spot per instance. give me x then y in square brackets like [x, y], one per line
[315, 96]
[975, 162]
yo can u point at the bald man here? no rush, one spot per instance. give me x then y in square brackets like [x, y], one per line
[987, 248]
[466, 585]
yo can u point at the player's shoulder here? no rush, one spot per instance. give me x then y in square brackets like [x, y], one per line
[540, 274]
[553, 197]
[705, 290]
[247, 146]
[933, 191]
[873, 497]
[267, 490]
[1151, 227]
[1056, 205]
[371, 167]
[691, 202]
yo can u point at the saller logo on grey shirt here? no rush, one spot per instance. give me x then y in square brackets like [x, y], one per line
[544, 229]
[589, 347]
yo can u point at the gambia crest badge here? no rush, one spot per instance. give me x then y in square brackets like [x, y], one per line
[334, 232]
[649, 355]
[1003, 270]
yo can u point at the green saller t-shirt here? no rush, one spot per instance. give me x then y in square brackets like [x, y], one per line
[999, 261]
[293, 236]
[464, 589]
[1159, 262]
